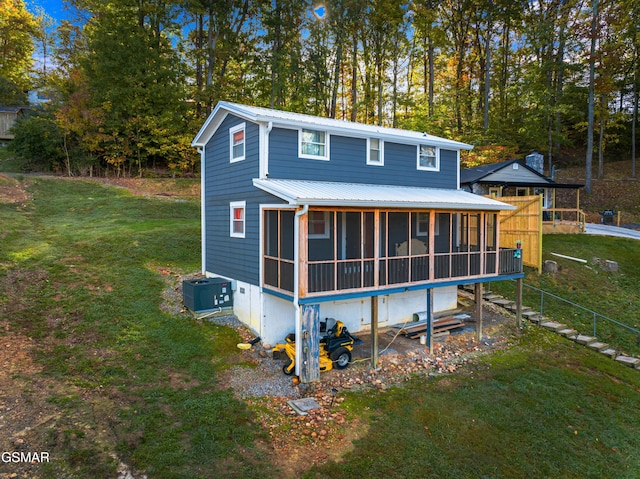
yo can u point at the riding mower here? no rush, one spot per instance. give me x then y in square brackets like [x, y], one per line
[335, 348]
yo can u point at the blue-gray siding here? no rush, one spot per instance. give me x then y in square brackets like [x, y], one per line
[348, 163]
[225, 182]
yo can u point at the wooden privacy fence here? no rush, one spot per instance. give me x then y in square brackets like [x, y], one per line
[523, 224]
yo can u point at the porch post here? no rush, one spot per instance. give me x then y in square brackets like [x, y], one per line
[309, 359]
[519, 302]
[430, 320]
[478, 298]
[374, 332]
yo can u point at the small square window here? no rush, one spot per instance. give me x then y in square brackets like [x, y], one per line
[237, 143]
[313, 144]
[319, 224]
[422, 228]
[428, 158]
[375, 152]
[237, 219]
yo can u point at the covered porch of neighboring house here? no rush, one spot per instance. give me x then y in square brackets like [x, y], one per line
[334, 241]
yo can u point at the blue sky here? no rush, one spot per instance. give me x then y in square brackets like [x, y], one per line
[54, 8]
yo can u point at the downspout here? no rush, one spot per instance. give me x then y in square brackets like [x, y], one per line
[296, 277]
[203, 224]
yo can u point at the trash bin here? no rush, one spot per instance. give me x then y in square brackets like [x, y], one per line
[607, 216]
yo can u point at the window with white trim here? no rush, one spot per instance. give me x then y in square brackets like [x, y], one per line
[428, 158]
[313, 144]
[319, 224]
[422, 227]
[237, 218]
[237, 142]
[375, 152]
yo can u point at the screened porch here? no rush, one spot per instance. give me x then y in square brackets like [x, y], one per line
[343, 250]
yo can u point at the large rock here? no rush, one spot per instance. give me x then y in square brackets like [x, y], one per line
[550, 267]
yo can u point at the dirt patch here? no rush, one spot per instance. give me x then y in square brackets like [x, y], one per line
[13, 191]
[161, 187]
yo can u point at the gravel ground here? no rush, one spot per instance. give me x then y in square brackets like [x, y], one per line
[399, 357]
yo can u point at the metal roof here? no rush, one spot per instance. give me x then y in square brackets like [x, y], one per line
[288, 119]
[325, 193]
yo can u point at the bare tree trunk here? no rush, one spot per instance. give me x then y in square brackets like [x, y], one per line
[592, 74]
[635, 109]
[354, 78]
[601, 139]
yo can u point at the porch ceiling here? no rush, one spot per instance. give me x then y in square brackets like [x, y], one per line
[324, 193]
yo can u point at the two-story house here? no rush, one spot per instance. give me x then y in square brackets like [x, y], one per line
[313, 217]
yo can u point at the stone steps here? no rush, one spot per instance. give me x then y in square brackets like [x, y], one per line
[562, 329]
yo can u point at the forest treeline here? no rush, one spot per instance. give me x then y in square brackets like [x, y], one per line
[131, 81]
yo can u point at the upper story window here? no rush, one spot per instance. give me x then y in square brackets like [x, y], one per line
[237, 218]
[428, 158]
[237, 142]
[375, 152]
[313, 144]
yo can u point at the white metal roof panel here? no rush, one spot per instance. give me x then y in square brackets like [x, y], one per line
[324, 193]
[299, 120]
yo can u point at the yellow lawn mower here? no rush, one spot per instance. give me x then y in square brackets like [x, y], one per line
[335, 348]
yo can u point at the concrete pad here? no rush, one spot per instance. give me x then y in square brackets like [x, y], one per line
[303, 406]
[612, 353]
[628, 361]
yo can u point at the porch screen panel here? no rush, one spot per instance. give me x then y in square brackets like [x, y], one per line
[474, 244]
[321, 251]
[271, 248]
[398, 248]
[491, 243]
[287, 219]
[419, 246]
[349, 248]
[443, 245]
[278, 249]
[368, 233]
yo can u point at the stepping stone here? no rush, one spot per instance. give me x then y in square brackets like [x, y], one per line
[568, 333]
[502, 302]
[628, 361]
[585, 340]
[609, 352]
[491, 296]
[598, 346]
[303, 406]
[553, 326]
[532, 316]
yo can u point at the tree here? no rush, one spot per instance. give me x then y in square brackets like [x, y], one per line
[136, 77]
[17, 30]
[592, 68]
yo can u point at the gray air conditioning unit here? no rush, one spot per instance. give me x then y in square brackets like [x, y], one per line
[207, 294]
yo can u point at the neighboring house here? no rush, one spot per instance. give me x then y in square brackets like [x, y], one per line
[8, 117]
[517, 178]
[312, 217]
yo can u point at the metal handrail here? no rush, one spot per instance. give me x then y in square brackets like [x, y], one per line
[595, 314]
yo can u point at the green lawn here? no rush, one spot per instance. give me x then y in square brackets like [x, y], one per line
[614, 295]
[81, 272]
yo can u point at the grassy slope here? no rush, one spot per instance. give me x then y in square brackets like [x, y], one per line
[88, 260]
[544, 408]
[614, 295]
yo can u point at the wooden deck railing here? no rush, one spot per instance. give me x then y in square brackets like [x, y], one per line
[341, 275]
[567, 216]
